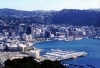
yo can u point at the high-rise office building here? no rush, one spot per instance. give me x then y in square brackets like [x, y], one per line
[47, 34]
[1, 28]
[28, 30]
[53, 31]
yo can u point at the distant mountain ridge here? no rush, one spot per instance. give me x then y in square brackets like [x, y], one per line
[15, 12]
[65, 16]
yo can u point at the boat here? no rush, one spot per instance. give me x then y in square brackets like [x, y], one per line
[74, 57]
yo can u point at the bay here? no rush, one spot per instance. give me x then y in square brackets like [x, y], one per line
[91, 46]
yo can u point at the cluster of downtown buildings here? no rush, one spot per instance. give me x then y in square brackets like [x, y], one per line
[27, 33]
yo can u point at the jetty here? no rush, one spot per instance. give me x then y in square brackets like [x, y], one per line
[56, 54]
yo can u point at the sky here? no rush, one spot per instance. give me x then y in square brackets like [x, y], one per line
[31, 5]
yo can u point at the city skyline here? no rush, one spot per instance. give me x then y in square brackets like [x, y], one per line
[49, 4]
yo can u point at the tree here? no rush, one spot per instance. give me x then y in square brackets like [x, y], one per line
[29, 62]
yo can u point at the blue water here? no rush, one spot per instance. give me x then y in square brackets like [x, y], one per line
[91, 46]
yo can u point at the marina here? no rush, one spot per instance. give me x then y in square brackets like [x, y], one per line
[56, 54]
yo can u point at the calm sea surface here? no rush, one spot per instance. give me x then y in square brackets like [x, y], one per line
[91, 46]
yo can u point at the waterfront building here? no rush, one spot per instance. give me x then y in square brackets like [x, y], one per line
[76, 33]
[22, 47]
[13, 47]
[88, 32]
[35, 54]
[80, 33]
[98, 32]
[83, 32]
[67, 33]
[91, 28]
[71, 31]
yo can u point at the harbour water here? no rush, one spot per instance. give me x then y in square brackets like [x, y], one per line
[91, 46]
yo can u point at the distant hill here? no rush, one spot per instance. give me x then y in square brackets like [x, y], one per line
[66, 16]
[7, 11]
[77, 17]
